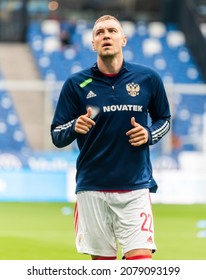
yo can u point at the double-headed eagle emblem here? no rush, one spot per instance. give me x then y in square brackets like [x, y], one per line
[133, 89]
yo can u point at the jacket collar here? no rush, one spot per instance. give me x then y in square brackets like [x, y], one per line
[96, 71]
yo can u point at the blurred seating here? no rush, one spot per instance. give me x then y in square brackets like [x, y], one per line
[50, 27]
[203, 28]
[12, 136]
[155, 44]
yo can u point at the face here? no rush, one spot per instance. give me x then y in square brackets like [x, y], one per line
[108, 38]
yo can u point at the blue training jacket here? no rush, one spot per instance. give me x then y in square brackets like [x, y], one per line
[107, 161]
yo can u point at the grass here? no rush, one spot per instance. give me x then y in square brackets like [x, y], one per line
[176, 232]
[44, 231]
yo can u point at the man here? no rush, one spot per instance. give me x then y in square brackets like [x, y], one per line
[105, 108]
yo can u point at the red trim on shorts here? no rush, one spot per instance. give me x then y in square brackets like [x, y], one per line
[139, 257]
[76, 218]
[105, 258]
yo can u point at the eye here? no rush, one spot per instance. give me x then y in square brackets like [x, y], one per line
[99, 32]
[113, 30]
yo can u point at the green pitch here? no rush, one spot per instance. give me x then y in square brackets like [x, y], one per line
[44, 231]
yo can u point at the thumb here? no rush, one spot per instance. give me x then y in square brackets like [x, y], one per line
[89, 112]
[133, 122]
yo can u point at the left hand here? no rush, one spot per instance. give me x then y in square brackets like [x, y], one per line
[138, 135]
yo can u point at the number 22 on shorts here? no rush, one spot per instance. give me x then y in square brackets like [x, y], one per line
[147, 222]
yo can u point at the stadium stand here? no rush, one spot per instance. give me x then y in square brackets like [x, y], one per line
[156, 44]
[12, 135]
[20, 79]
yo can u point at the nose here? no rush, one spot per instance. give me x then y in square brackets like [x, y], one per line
[106, 34]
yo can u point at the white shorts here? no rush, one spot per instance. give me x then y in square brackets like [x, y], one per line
[105, 219]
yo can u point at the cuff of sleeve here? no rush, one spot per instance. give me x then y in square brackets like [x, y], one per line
[149, 136]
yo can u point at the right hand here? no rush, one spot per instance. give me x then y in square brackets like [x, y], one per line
[84, 123]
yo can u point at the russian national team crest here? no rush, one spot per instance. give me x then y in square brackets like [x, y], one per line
[133, 89]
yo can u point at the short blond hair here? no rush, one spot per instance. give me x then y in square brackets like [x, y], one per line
[108, 17]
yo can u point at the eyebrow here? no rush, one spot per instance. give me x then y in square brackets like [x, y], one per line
[103, 28]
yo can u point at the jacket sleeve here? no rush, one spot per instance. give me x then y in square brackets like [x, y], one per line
[66, 113]
[159, 111]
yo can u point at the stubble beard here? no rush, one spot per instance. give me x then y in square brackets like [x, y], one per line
[107, 55]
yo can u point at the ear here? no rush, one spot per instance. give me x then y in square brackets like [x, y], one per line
[93, 47]
[124, 41]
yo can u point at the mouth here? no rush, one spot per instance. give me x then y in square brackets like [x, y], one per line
[106, 45]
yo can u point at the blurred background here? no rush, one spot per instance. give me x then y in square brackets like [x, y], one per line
[42, 42]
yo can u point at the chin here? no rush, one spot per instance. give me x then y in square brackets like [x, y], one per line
[107, 54]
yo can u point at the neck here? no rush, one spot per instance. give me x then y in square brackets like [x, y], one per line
[109, 65]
